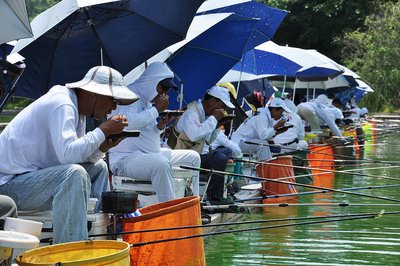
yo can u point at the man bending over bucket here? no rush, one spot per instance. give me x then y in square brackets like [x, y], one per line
[143, 157]
[260, 128]
[48, 162]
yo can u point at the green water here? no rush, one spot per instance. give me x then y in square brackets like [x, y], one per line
[356, 242]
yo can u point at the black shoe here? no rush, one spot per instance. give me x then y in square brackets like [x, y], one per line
[205, 218]
[223, 201]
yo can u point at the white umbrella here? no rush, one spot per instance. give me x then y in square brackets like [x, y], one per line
[14, 21]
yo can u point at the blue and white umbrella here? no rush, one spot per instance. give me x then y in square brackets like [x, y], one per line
[73, 36]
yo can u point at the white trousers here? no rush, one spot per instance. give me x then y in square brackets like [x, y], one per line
[262, 152]
[309, 116]
[157, 167]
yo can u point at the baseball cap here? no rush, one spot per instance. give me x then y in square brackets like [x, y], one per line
[278, 102]
[168, 83]
[222, 94]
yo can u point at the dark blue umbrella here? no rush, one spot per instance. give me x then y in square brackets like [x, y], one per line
[200, 63]
[120, 34]
[269, 17]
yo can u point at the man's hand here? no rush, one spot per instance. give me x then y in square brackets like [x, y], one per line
[109, 143]
[278, 125]
[114, 125]
[161, 102]
[164, 121]
[218, 114]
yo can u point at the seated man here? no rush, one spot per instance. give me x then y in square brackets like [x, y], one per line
[142, 157]
[293, 138]
[199, 126]
[260, 128]
[318, 112]
[48, 162]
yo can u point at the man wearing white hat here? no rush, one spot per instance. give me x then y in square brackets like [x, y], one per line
[47, 161]
[142, 157]
[260, 128]
[199, 126]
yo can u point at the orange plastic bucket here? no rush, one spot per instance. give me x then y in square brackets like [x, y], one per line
[274, 172]
[320, 157]
[174, 213]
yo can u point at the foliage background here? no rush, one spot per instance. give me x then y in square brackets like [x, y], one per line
[360, 34]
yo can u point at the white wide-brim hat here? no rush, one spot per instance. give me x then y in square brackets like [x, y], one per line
[106, 81]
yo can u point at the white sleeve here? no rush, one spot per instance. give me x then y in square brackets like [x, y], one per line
[263, 128]
[329, 118]
[138, 115]
[195, 130]
[67, 146]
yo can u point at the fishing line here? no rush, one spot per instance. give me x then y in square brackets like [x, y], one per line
[286, 204]
[348, 172]
[375, 215]
[289, 183]
[323, 153]
[313, 192]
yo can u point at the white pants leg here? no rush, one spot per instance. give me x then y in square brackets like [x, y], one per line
[309, 116]
[187, 158]
[149, 166]
[262, 152]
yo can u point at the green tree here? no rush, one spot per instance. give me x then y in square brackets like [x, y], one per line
[35, 7]
[315, 24]
[374, 53]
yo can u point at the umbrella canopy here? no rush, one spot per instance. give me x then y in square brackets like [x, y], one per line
[73, 36]
[14, 21]
[200, 63]
[199, 25]
[269, 17]
[331, 83]
[280, 62]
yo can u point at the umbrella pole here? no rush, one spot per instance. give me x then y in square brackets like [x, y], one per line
[284, 84]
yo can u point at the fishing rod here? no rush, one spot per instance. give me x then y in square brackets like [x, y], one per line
[183, 227]
[348, 172]
[375, 215]
[313, 192]
[211, 171]
[285, 204]
[323, 153]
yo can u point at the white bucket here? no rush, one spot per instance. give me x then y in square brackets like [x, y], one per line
[181, 178]
[23, 226]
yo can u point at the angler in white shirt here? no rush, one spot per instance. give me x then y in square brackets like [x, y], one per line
[317, 112]
[142, 157]
[260, 128]
[293, 138]
[49, 162]
[198, 127]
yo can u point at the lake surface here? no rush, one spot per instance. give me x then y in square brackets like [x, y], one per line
[355, 242]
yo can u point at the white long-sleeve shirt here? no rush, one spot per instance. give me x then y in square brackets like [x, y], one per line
[197, 128]
[142, 115]
[296, 132]
[49, 132]
[260, 126]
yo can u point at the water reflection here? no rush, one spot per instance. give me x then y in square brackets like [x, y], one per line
[358, 242]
